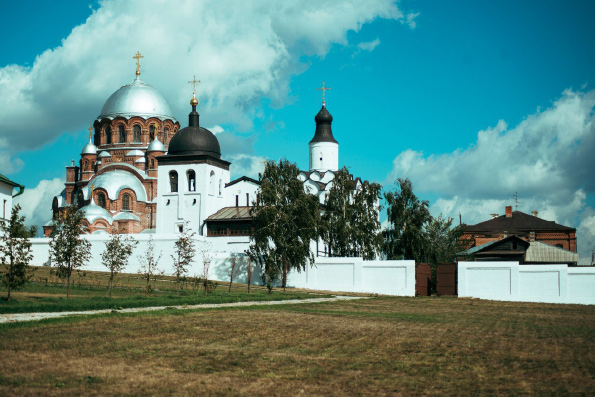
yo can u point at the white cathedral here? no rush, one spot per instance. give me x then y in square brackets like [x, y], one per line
[142, 173]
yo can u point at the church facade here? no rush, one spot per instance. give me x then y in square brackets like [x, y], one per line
[141, 173]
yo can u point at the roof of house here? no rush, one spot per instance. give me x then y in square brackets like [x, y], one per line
[243, 178]
[8, 181]
[519, 221]
[539, 252]
[231, 214]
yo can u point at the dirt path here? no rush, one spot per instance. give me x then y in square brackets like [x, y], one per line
[18, 317]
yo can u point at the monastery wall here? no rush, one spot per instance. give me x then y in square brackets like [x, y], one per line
[509, 281]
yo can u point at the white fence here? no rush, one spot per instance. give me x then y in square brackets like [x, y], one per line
[509, 281]
[357, 275]
[329, 274]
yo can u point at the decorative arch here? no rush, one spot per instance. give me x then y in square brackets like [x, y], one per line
[151, 132]
[121, 134]
[136, 133]
[126, 202]
[191, 178]
[108, 134]
[101, 201]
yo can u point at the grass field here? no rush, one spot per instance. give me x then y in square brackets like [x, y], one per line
[377, 346]
[47, 293]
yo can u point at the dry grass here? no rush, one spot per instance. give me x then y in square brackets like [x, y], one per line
[382, 346]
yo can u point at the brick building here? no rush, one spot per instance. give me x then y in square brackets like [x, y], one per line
[527, 227]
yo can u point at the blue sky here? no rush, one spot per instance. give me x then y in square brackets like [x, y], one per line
[472, 100]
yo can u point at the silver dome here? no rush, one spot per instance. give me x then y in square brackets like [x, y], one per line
[114, 181]
[93, 212]
[137, 99]
[155, 146]
[89, 148]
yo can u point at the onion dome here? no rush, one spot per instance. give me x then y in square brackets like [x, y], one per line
[89, 148]
[156, 146]
[194, 140]
[136, 99]
[323, 132]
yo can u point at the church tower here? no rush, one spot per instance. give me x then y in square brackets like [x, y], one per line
[191, 178]
[324, 148]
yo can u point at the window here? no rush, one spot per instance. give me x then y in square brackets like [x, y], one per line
[217, 230]
[212, 182]
[108, 134]
[151, 133]
[121, 134]
[136, 133]
[86, 167]
[191, 175]
[247, 200]
[237, 200]
[173, 181]
[101, 200]
[180, 228]
[165, 134]
[93, 166]
[126, 202]
[152, 164]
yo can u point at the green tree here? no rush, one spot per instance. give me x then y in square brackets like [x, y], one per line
[15, 250]
[285, 221]
[115, 257]
[350, 224]
[405, 237]
[184, 253]
[148, 263]
[67, 247]
[442, 240]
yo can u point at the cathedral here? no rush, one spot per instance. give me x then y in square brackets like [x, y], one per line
[141, 173]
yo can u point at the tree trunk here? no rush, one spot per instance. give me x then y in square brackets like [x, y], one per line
[147, 287]
[9, 279]
[68, 286]
[111, 283]
[249, 273]
[284, 278]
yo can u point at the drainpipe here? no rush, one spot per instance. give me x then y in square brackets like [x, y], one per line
[21, 191]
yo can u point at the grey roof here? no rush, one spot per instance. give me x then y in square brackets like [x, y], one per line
[156, 145]
[135, 152]
[137, 99]
[194, 140]
[539, 252]
[231, 214]
[324, 132]
[126, 216]
[113, 181]
[103, 154]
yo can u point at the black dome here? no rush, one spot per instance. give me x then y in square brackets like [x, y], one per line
[323, 133]
[194, 140]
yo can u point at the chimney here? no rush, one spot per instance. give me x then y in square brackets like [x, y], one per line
[494, 216]
[534, 213]
[509, 211]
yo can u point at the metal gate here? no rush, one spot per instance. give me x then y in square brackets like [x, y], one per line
[423, 274]
[446, 279]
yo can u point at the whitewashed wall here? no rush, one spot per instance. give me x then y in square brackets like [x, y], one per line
[509, 281]
[357, 275]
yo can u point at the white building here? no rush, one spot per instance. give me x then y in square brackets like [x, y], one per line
[6, 195]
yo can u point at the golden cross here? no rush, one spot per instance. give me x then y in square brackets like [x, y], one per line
[137, 56]
[90, 132]
[193, 82]
[323, 89]
[92, 188]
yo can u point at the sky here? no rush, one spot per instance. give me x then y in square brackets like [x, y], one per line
[473, 101]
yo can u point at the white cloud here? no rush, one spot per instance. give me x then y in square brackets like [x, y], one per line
[410, 20]
[246, 165]
[547, 158]
[368, 45]
[36, 203]
[241, 51]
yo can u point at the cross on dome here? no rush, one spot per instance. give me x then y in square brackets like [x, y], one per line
[90, 129]
[137, 56]
[194, 101]
[323, 89]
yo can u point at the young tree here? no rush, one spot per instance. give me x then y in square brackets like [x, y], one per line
[442, 243]
[233, 269]
[407, 217]
[115, 257]
[149, 264]
[67, 248]
[350, 224]
[249, 270]
[206, 265]
[184, 253]
[285, 221]
[15, 250]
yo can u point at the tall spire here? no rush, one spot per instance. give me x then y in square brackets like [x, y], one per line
[193, 117]
[323, 89]
[137, 56]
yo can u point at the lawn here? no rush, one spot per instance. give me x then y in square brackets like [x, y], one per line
[377, 346]
[47, 293]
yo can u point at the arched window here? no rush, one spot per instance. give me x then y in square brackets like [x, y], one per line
[173, 181]
[126, 202]
[165, 134]
[101, 200]
[93, 166]
[121, 134]
[151, 133]
[152, 164]
[191, 175]
[86, 167]
[136, 133]
[108, 134]
[212, 182]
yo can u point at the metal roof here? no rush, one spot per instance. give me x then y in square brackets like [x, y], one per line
[231, 214]
[539, 252]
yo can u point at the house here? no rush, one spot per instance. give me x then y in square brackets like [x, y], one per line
[6, 188]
